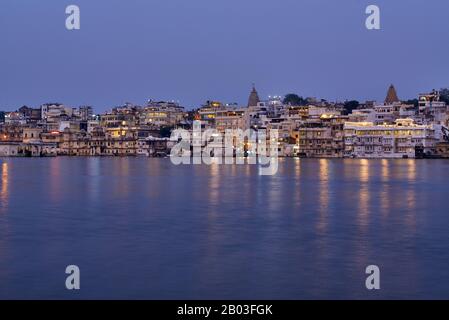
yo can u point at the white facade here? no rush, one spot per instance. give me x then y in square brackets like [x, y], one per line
[9, 149]
[400, 140]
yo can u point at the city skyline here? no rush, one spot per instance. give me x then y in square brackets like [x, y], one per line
[229, 102]
[200, 51]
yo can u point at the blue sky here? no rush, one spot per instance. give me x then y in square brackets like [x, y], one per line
[197, 50]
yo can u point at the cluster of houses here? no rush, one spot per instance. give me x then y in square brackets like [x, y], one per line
[316, 129]
[55, 129]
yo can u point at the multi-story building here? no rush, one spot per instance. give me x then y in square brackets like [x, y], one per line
[321, 138]
[162, 113]
[432, 109]
[30, 114]
[31, 134]
[15, 118]
[208, 112]
[403, 139]
[116, 119]
[85, 113]
[11, 133]
[153, 147]
[230, 119]
[53, 111]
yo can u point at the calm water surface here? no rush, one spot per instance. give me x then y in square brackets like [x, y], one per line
[144, 228]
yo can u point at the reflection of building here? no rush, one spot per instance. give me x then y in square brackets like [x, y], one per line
[404, 139]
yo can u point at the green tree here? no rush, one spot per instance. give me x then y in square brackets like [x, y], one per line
[351, 105]
[294, 100]
[414, 102]
[165, 131]
[444, 95]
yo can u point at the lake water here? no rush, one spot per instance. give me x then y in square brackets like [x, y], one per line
[144, 228]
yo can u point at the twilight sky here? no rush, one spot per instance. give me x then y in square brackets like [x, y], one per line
[197, 50]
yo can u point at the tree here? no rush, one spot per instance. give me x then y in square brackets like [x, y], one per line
[165, 131]
[351, 105]
[414, 102]
[294, 100]
[444, 95]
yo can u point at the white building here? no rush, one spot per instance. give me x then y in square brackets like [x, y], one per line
[403, 139]
[432, 108]
[52, 111]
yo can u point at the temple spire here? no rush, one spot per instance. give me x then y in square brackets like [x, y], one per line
[392, 96]
[253, 100]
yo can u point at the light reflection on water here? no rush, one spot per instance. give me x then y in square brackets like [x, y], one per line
[323, 195]
[4, 188]
[223, 231]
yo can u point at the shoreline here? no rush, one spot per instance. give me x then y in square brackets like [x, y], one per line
[168, 157]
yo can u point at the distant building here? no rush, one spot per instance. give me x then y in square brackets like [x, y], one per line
[30, 114]
[432, 108]
[230, 119]
[85, 113]
[321, 138]
[52, 112]
[162, 113]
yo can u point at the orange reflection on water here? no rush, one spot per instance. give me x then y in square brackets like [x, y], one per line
[364, 193]
[385, 170]
[411, 170]
[323, 195]
[410, 217]
[4, 191]
[154, 170]
[385, 190]
[55, 178]
[93, 182]
[214, 186]
[364, 170]
[297, 192]
[123, 177]
[297, 168]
